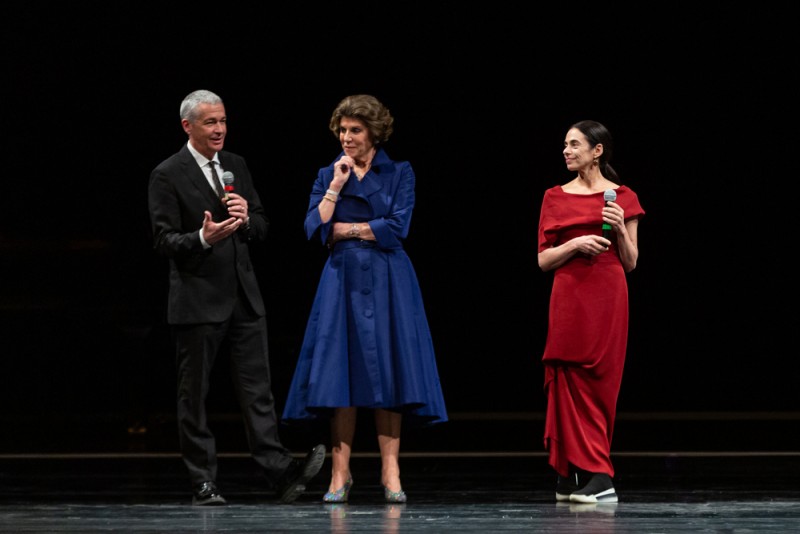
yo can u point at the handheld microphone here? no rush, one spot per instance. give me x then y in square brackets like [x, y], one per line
[608, 195]
[227, 182]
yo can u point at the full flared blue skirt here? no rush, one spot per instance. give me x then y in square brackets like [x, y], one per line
[367, 342]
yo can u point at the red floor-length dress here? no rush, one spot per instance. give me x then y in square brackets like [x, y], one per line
[587, 333]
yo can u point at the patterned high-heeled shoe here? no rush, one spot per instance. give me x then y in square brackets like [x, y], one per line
[341, 494]
[394, 496]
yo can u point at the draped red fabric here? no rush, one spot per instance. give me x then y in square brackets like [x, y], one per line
[587, 334]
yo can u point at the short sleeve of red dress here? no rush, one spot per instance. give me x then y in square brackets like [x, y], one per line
[564, 215]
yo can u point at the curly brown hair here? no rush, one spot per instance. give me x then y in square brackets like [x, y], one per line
[368, 109]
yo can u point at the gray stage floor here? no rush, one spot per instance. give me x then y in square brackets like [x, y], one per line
[728, 472]
[448, 492]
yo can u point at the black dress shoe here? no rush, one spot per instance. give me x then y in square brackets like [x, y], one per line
[293, 482]
[207, 494]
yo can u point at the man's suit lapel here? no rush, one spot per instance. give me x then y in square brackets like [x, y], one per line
[197, 179]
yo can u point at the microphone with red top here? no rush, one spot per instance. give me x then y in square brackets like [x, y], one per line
[227, 183]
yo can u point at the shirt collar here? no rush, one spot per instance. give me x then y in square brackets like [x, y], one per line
[199, 158]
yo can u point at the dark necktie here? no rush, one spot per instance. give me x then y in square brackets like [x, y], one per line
[215, 179]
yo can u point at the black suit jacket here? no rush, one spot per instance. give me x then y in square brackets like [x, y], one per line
[203, 281]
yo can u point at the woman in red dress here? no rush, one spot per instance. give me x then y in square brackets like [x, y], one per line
[588, 319]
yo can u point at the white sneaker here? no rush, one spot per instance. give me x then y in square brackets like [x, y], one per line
[599, 489]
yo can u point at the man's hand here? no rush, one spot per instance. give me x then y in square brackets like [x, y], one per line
[214, 232]
[237, 206]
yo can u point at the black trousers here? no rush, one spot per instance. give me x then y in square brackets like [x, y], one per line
[196, 349]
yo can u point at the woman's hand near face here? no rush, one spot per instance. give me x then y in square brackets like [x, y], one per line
[342, 170]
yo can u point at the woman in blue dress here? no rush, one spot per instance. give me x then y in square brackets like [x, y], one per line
[367, 343]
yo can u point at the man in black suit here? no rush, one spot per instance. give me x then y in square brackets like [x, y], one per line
[214, 296]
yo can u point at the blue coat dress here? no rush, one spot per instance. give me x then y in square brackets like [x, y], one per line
[367, 341]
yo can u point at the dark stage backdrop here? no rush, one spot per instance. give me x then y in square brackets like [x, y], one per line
[700, 100]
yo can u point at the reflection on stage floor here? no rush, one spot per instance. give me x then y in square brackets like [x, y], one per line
[447, 491]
